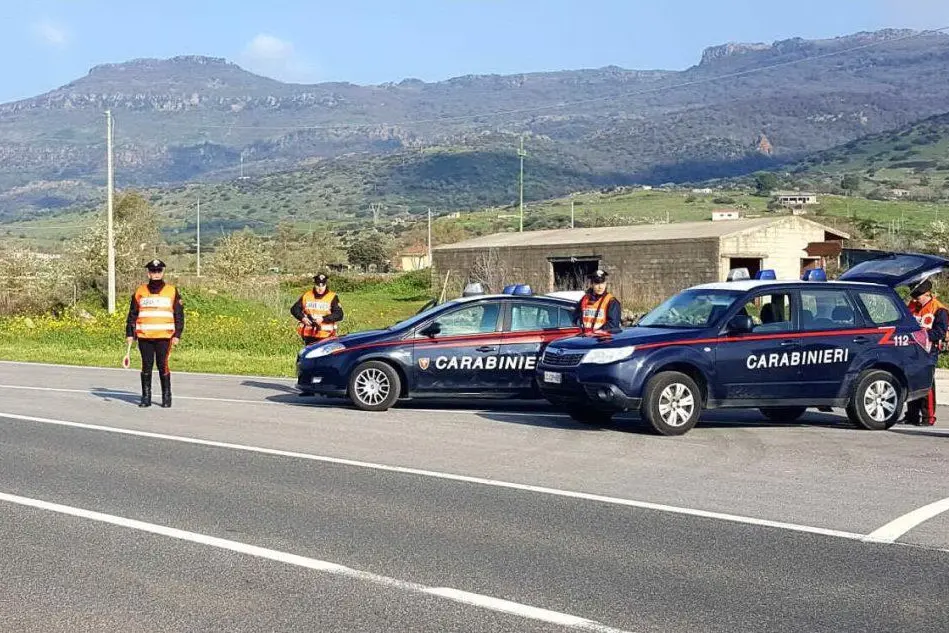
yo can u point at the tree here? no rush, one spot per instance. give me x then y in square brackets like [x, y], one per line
[369, 251]
[765, 183]
[240, 254]
[136, 239]
[851, 183]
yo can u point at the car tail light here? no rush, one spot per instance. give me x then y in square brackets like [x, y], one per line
[922, 339]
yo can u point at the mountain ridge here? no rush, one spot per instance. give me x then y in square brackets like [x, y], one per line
[184, 118]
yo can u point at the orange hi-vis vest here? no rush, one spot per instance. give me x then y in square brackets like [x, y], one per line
[156, 313]
[594, 311]
[317, 306]
[926, 315]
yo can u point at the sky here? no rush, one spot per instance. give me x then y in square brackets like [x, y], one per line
[48, 43]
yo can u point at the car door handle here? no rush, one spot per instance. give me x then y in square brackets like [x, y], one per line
[861, 339]
[789, 343]
[487, 348]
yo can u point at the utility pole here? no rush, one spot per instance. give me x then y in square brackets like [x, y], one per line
[242, 166]
[199, 235]
[109, 231]
[429, 236]
[571, 214]
[521, 154]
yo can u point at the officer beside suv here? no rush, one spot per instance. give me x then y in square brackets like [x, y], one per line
[778, 346]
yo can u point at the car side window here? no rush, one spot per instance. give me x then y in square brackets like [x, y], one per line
[881, 309]
[477, 319]
[770, 312]
[826, 310]
[566, 319]
[526, 317]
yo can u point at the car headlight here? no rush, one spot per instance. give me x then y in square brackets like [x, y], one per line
[323, 350]
[608, 355]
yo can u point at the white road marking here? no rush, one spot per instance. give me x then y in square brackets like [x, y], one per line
[189, 373]
[455, 595]
[901, 525]
[645, 505]
[117, 393]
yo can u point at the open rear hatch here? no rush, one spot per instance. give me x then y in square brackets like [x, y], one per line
[898, 269]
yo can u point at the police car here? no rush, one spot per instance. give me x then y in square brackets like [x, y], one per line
[475, 346]
[779, 346]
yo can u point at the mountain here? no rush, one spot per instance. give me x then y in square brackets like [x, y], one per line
[189, 118]
[908, 162]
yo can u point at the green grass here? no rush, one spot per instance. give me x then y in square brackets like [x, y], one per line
[223, 333]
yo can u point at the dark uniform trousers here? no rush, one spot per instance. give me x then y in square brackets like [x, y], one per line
[923, 411]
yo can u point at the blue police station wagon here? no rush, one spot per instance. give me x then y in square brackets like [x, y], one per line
[778, 346]
[476, 346]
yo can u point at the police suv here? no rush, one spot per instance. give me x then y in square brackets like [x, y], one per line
[779, 346]
[475, 346]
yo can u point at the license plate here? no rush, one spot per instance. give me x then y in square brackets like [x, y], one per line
[553, 376]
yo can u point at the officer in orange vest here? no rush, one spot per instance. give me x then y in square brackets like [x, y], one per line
[598, 310]
[318, 312]
[156, 318]
[934, 318]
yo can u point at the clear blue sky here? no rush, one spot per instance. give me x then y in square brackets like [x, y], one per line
[47, 43]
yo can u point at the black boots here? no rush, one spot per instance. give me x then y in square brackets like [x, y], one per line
[165, 390]
[146, 400]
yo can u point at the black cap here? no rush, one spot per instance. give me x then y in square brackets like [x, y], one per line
[921, 288]
[320, 279]
[155, 265]
[599, 276]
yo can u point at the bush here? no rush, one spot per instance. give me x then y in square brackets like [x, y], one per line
[723, 200]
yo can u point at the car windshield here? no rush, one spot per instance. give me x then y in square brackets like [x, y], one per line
[421, 316]
[691, 309]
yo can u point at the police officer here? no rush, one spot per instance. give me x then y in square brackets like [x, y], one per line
[934, 318]
[598, 310]
[156, 318]
[318, 312]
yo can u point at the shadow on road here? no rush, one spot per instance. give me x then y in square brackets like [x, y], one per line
[111, 394]
[272, 386]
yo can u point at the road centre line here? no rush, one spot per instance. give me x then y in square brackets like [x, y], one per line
[901, 525]
[644, 505]
[447, 593]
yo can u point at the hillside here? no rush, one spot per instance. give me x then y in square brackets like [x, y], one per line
[190, 118]
[910, 162]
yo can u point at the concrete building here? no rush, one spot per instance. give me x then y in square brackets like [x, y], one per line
[647, 262]
[795, 199]
[414, 258]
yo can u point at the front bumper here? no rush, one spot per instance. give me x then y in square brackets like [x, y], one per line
[597, 386]
[320, 378]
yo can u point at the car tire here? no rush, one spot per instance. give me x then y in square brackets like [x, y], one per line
[587, 415]
[672, 403]
[782, 414]
[877, 400]
[374, 386]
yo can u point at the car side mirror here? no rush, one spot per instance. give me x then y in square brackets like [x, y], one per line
[431, 329]
[740, 324]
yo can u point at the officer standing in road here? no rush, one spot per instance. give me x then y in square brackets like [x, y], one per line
[598, 310]
[318, 312]
[934, 318]
[156, 318]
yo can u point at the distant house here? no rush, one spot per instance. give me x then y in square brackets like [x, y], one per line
[725, 214]
[899, 193]
[793, 199]
[705, 190]
[414, 258]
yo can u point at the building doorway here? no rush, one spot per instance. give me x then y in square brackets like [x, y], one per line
[753, 264]
[572, 273]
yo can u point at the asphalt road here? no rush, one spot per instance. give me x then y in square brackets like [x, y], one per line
[248, 508]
